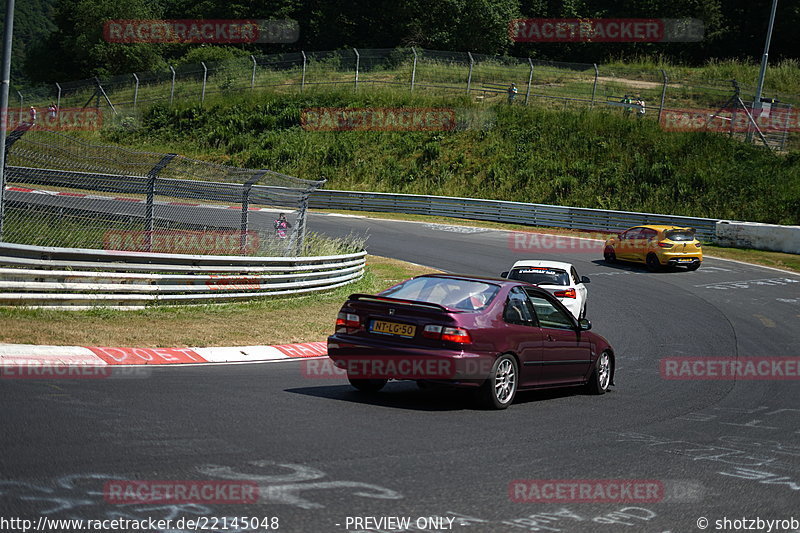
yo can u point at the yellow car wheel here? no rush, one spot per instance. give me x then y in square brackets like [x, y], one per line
[653, 264]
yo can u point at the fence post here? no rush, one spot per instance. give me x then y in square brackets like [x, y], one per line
[469, 77]
[97, 92]
[151, 188]
[58, 99]
[358, 60]
[135, 92]
[303, 79]
[205, 77]
[530, 81]
[594, 87]
[172, 87]
[413, 69]
[10, 139]
[253, 77]
[21, 108]
[5, 84]
[663, 94]
[301, 225]
[246, 210]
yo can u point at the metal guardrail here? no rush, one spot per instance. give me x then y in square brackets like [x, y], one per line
[78, 278]
[67, 166]
[144, 185]
[578, 218]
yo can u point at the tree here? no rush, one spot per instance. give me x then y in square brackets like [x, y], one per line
[464, 25]
[77, 48]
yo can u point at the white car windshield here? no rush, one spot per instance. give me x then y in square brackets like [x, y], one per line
[540, 275]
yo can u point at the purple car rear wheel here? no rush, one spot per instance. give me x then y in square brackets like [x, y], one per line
[500, 387]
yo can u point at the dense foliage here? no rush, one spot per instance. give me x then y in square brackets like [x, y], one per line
[599, 159]
[68, 44]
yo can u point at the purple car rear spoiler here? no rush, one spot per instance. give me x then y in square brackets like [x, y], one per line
[401, 301]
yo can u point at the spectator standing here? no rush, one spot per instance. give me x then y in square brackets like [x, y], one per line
[512, 93]
[628, 101]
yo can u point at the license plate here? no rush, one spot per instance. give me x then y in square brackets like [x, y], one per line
[393, 328]
[689, 260]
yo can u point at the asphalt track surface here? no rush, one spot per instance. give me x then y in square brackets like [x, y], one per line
[322, 452]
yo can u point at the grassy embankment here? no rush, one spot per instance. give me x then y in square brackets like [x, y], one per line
[586, 158]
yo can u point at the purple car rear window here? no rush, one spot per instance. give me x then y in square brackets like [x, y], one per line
[455, 293]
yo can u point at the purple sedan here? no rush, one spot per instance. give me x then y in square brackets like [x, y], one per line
[498, 336]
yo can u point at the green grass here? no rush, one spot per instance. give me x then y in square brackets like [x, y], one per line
[272, 320]
[707, 84]
[579, 157]
[41, 228]
[781, 77]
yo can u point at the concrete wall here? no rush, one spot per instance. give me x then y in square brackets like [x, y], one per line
[758, 236]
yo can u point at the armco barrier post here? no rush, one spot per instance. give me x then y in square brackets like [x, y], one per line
[594, 85]
[253, 77]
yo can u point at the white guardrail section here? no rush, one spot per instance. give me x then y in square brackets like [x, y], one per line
[579, 218]
[76, 278]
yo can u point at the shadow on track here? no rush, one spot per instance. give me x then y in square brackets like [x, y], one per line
[636, 268]
[406, 395]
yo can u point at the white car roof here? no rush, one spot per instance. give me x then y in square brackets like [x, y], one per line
[549, 264]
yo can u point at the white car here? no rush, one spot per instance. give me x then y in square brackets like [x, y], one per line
[561, 279]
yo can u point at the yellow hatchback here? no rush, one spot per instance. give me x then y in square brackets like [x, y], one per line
[656, 247]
